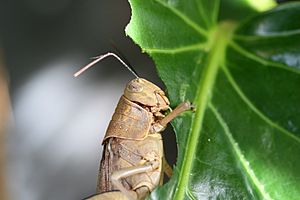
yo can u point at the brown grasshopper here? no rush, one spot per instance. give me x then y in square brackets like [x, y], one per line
[133, 159]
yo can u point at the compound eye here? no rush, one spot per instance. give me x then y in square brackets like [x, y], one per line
[134, 87]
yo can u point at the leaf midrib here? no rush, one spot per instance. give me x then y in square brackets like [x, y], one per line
[220, 38]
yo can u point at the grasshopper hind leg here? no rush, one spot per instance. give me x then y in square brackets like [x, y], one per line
[167, 168]
[140, 192]
[112, 195]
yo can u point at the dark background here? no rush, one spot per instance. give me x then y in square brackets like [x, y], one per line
[57, 122]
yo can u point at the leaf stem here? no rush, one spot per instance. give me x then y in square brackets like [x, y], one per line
[220, 39]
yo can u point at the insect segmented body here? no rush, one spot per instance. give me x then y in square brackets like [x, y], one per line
[133, 158]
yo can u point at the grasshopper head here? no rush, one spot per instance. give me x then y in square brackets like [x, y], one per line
[141, 91]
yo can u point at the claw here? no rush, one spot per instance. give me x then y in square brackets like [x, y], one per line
[193, 107]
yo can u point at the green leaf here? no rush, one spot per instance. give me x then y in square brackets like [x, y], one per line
[243, 75]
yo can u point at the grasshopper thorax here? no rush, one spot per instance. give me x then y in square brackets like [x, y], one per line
[145, 93]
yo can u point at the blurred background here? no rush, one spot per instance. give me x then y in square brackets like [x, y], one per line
[52, 124]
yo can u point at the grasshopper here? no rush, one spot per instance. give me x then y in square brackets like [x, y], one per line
[133, 162]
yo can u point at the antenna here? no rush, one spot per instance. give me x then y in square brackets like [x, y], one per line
[121, 55]
[101, 57]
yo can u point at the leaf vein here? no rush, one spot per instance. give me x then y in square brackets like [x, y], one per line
[190, 194]
[269, 36]
[210, 165]
[262, 60]
[186, 19]
[238, 153]
[199, 46]
[216, 11]
[253, 107]
[201, 12]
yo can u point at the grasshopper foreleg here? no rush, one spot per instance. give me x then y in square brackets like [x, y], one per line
[161, 124]
[184, 106]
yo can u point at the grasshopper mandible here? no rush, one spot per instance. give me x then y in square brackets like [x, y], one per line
[133, 158]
